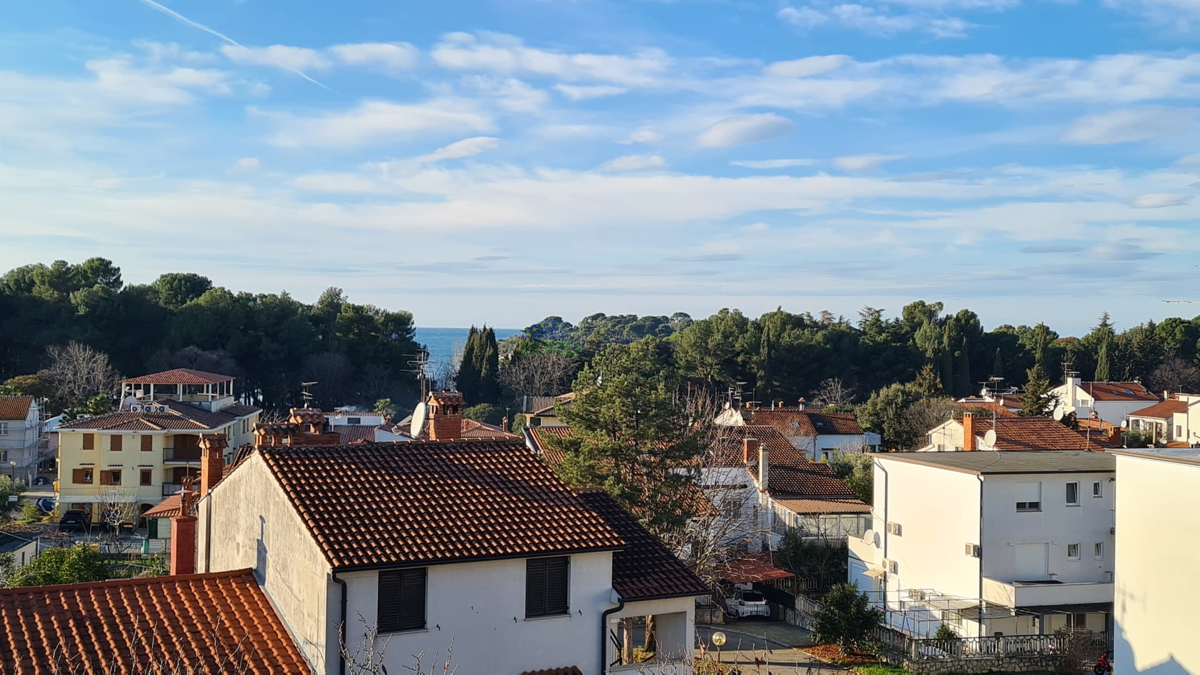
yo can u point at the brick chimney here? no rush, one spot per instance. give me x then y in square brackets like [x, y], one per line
[1114, 436]
[212, 461]
[750, 448]
[968, 425]
[183, 537]
[800, 405]
[764, 468]
[444, 411]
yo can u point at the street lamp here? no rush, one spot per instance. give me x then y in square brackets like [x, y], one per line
[718, 639]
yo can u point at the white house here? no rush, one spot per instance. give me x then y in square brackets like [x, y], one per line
[1157, 590]
[1110, 401]
[973, 432]
[19, 435]
[820, 435]
[21, 545]
[989, 543]
[1174, 421]
[474, 545]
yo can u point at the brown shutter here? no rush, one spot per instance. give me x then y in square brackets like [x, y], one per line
[104, 478]
[89, 441]
[115, 445]
[77, 476]
[147, 443]
[147, 479]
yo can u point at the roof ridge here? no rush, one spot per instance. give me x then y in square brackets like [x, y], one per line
[135, 581]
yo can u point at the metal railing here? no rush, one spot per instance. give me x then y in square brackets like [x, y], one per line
[169, 489]
[181, 455]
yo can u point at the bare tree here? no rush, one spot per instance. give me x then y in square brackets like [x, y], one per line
[369, 655]
[1175, 374]
[926, 414]
[538, 374]
[118, 506]
[333, 375]
[833, 392]
[77, 372]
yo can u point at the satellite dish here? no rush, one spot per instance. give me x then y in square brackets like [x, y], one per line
[989, 438]
[1059, 413]
[418, 421]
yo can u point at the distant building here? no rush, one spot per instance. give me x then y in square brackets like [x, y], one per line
[1110, 401]
[144, 451]
[1157, 591]
[990, 543]
[1174, 422]
[973, 432]
[20, 433]
[820, 435]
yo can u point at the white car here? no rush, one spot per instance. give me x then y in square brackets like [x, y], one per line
[747, 603]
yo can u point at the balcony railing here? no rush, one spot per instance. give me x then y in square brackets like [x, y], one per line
[181, 455]
[1033, 593]
[169, 489]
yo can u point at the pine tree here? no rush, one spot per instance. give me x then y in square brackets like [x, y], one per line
[927, 382]
[1102, 365]
[1036, 400]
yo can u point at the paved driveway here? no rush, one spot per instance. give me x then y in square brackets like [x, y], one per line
[761, 647]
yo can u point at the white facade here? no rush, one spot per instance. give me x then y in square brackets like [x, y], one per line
[349, 418]
[1073, 397]
[19, 445]
[1157, 588]
[926, 521]
[1180, 427]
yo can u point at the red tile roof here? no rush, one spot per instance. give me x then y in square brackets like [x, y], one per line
[192, 622]
[1118, 391]
[646, 569]
[987, 408]
[354, 433]
[15, 407]
[179, 376]
[805, 480]
[181, 417]
[750, 570]
[1036, 433]
[730, 444]
[795, 422]
[818, 506]
[376, 505]
[1163, 410]
[541, 439]
[572, 670]
[475, 429]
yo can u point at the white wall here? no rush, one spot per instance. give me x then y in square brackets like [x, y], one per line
[1157, 585]
[247, 521]
[480, 609]
[1056, 524]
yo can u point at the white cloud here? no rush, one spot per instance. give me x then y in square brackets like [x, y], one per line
[390, 55]
[646, 136]
[635, 163]
[869, 19]
[507, 54]
[808, 66]
[377, 121]
[583, 93]
[247, 164]
[508, 92]
[772, 163]
[1159, 200]
[1179, 15]
[278, 56]
[802, 17]
[745, 129]
[755, 227]
[1130, 125]
[467, 147]
[864, 162]
[1188, 160]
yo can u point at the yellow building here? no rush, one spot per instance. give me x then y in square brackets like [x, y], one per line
[142, 452]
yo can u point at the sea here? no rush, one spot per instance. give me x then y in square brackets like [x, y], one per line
[443, 343]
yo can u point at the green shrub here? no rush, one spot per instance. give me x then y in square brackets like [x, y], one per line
[846, 619]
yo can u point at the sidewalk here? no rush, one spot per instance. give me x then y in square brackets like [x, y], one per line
[772, 643]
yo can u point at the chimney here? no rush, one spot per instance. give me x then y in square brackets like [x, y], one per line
[764, 468]
[504, 424]
[800, 404]
[1114, 436]
[212, 461]
[183, 537]
[445, 416]
[750, 448]
[968, 424]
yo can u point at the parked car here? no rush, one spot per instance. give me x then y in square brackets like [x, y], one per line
[73, 521]
[747, 603]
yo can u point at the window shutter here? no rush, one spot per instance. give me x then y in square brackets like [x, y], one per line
[389, 602]
[535, 587]
[104, 480]
[77, 476]
[89, 441]
[116, 444]
[147, 443]
[556, 586]
[412, 599]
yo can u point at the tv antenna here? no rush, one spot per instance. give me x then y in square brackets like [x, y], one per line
[305, 394]
[416, 366]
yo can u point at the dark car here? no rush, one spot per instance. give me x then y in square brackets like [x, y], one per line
[73, 521]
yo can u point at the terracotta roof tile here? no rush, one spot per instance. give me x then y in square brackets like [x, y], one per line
[239, 410]
[1118, 391]
[750, 570]
[181, 417]
[730, 444]
[167, 508]
[15, 407]
[1163, 410]
[475, 429]
[378, 505]
[541, 440]
[572, 670]
[1036, 433]
[810, 506]
[646, 569]
[353, 433]
[199, 619]
[179, 376]
[805, 480]
[795, 422]
[986, 407]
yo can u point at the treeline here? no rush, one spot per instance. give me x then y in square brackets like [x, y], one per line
[272, 342]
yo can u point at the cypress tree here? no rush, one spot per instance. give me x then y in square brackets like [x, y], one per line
[1102, 365]
[487, 363]
[467, 379]
[962, 371]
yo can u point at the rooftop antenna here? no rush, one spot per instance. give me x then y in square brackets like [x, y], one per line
[305, 395]
[416, 366]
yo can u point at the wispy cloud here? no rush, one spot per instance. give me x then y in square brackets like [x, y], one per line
[1128, 126]
[1159, 200]
[377, 122]
[864, 162]
[744, 130]
[635, 163]
[772, 163]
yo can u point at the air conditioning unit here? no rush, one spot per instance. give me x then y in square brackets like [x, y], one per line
[916, 594]
[974, 550]
[135, 408]
[892, 566]
[894, 528]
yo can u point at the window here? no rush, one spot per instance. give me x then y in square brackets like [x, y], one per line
[146, 477]
[147, 443]
[1072, 551]
[115, 444]
[112, 477]
[546, 587]
[3, 428]
[1097, 489]
[401, 600]
[1098, 550]
[1072, 494]
[89, 441]
[81, 476]
[3, 456]
[1077, 621]
[1029, 496]
[353, 420]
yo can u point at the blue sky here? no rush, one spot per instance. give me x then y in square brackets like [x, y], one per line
[504, 160]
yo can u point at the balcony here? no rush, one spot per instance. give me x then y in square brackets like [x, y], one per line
[182, 455]
[1035, 593]
[169, 489]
